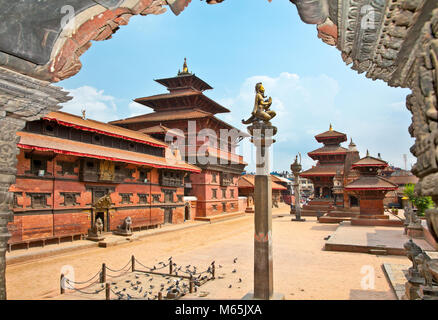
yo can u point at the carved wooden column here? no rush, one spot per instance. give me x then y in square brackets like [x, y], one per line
[22, 99]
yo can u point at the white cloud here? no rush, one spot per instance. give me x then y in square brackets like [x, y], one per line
[137, 109]
[97, 105]
[306, 106]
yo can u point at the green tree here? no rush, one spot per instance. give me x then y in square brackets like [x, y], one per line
[420, 202]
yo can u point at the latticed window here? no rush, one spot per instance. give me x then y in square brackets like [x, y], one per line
[142, 198]
[39, 200]
[224, 193]
[214, 193]
[224, 207]
[232, 193]
[126, 197]
[214, 177]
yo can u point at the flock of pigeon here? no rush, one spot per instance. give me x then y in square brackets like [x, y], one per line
[150, 286]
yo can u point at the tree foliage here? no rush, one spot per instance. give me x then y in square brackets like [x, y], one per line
[420, 202]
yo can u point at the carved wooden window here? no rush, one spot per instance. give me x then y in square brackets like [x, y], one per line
[232, 206]
[224, 207]
[213, 178]
[70, 198]
[67, 168]
[214, 207]
[126, 197]
[38, 166]
[38, 200]
[180, 198]
[49, 129]
[170, 178]
[224, 193]
[156, 198]
[226, 179]
[168, 195]
[142, 175]
[214, 193]
[232, 193]
[142, 198]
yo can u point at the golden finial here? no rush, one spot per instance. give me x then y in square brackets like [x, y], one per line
[185, 69]
[331, 128]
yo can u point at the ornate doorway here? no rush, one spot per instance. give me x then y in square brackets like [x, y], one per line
[100, 210]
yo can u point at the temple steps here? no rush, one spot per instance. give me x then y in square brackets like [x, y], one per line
[221, 217]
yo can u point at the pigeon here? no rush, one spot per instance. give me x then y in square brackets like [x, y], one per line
[151, 286]
[235, 260]
[124, 289]
[170, 258]
[138, 282]
[220, 266]
[234, 271]
[144, 296]
[230, 286]
[240, 280]
[127, 281]
[141, 289]
[151, 279]
[136, 276]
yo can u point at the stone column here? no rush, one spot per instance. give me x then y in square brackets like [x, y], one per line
[296, 168]
[22, 99]
[261, 136]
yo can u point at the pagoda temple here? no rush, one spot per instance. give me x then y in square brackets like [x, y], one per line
[331, 159]
[185, 109]
[371, 189]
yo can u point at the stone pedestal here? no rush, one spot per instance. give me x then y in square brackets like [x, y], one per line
[412, 286]
[428, 292]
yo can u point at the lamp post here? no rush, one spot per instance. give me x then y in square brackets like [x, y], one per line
[296, 169]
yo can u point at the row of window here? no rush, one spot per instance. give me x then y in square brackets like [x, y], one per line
[224, 193]
[224, 207]
[39, 200]
[56, 130]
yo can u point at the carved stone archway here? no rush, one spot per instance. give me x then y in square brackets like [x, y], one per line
[393, 40]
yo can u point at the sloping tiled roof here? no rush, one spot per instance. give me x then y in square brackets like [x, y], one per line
[176, 99]
[369, 161]
[63, 146]
[322, 171]
[71, 120]
[371, 183]
[403, 180]
[248, 181]
[165, 116]
[176, 115]
[161, 129]
[331, 134]
[328, 150]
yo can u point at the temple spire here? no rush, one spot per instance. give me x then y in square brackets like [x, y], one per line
[185, 69]
[368, 153]
[331, 127]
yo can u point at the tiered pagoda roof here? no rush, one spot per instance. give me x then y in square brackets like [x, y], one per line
[331, 137]
[185, 92]
[369, 180]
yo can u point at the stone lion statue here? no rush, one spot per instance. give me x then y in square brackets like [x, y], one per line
[125, 227]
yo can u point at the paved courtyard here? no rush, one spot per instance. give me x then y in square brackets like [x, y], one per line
[302, 270]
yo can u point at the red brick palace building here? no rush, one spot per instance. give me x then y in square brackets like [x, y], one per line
[187, 110]
[72, 171]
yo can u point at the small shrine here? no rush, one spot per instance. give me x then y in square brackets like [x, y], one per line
[371, 189]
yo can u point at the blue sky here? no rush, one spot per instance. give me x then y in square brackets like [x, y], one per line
[232, 46]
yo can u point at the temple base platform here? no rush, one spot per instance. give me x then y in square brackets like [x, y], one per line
[379, 240]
